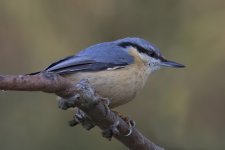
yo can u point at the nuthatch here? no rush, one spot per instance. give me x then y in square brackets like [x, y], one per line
[117, 70]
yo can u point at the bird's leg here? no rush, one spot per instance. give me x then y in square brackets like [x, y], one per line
[83, 119]
[131, 123]
[112, 130]
[106, 103]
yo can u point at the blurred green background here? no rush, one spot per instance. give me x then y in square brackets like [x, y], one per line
[179, 109]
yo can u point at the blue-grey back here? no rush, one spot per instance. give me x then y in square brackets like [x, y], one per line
[108, 52]
[94, 58]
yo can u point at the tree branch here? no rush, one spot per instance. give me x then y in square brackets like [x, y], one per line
[84, 97]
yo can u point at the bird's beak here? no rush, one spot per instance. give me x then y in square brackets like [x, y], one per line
[168, 63]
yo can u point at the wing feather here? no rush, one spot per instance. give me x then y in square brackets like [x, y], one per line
[95, 58]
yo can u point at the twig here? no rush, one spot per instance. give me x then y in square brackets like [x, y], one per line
[85, 98]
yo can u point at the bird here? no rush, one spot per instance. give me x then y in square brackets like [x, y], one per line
[117, 70]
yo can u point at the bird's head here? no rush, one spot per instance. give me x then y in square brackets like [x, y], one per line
[148, 53]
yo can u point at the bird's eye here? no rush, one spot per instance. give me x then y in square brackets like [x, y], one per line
[153, 54]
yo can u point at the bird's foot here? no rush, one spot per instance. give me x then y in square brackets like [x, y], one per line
[83, 119]
[64, 104]
[112, 130]
[131, 124]
[106, 103]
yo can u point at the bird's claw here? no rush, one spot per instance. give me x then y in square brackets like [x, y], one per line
[83, 119]
[112, 130]
[106, 103]
[131, 123]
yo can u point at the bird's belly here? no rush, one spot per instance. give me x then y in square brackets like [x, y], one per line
[120, 86]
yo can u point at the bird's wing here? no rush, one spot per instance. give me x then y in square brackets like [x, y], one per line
[96, 58]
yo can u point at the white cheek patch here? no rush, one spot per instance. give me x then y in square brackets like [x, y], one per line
[154, 64]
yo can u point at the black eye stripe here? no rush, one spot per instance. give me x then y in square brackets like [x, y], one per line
[139, 48]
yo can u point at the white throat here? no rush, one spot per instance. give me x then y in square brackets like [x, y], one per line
[152, 64]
